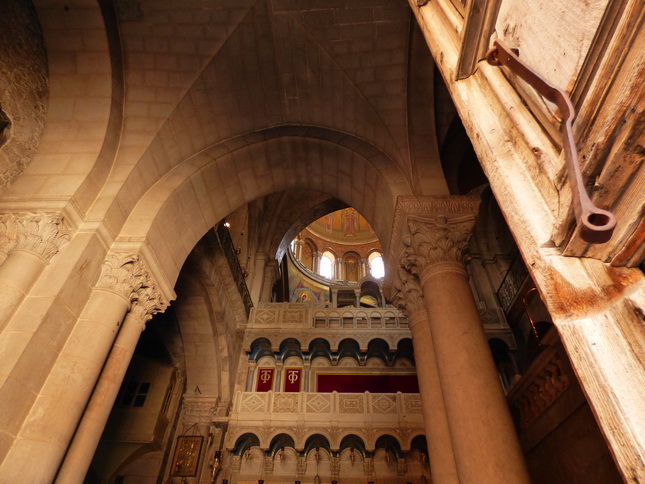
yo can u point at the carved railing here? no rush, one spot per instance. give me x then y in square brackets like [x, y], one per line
[512, 282]
[330, 414]
[226, 244]
[307, 315]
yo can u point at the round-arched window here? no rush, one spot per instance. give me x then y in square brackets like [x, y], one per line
[377, 267]
[326, 267]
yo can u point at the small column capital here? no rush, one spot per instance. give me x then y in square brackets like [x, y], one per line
[147, 302]
[407, 295]
[126, 275]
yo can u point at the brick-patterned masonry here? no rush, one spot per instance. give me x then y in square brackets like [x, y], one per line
[23, 87]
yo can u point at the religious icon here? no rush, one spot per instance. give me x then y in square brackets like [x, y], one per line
[187, 454]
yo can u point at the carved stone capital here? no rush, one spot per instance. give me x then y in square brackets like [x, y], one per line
[408, 296]
[199, 410]
[42, 234]
[437, 213]
[123, 274]
[147, 301]
[434, 241]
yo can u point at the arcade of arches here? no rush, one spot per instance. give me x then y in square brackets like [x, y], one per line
[172, 174]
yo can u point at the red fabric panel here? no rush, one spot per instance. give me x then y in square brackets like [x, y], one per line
[292, 379]
[367, 383]
[265, 380]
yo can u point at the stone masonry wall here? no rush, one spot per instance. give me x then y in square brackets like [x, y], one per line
[23, 87]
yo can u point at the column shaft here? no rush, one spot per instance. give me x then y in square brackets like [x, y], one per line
[442, 460]
[18, 273]
[51, 421]
[88, 434]
[484, 441]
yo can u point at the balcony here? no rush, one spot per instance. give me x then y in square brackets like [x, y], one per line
[368, 415]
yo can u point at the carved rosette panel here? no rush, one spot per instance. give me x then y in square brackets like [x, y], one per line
[382, 404]
[318, 403]
[293, 316]
[254, 403]
[285, 403]
[351, 403]
[42, 234]
[412, 403]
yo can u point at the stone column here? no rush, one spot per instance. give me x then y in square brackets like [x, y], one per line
[409, 298]
[48, 427]
[483, 437]
[297, 245]
[315, 262]
[30, 241]
[339, 270]
[88, 434]
[362, 267]
[357, 297]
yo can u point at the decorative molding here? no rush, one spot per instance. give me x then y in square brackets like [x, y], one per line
[198, 410]
[42, 234]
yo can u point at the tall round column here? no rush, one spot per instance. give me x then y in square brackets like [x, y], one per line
[484, 441]
[88, 434]
[33, 239]
[70, 383]
[408, 298]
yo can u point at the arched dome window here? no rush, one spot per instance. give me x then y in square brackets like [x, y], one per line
[377, 267]
[326, 267]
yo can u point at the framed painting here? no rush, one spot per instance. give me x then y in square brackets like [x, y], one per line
[186, 459]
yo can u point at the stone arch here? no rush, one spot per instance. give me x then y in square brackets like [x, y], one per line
[201, 191]
[320, 439]
[389, 442]
[201, 311]
[244, 442]
[278, 440]
[352, 441]
[86, 97]
[259, 348]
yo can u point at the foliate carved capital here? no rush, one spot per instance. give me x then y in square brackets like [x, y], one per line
[147, 301]
[433, 241]
[42, 234]
[123, 274]
[408, 296]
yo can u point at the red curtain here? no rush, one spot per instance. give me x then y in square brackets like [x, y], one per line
[367, 383]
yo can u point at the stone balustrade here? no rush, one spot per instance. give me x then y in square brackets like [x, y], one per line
[307, 315]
